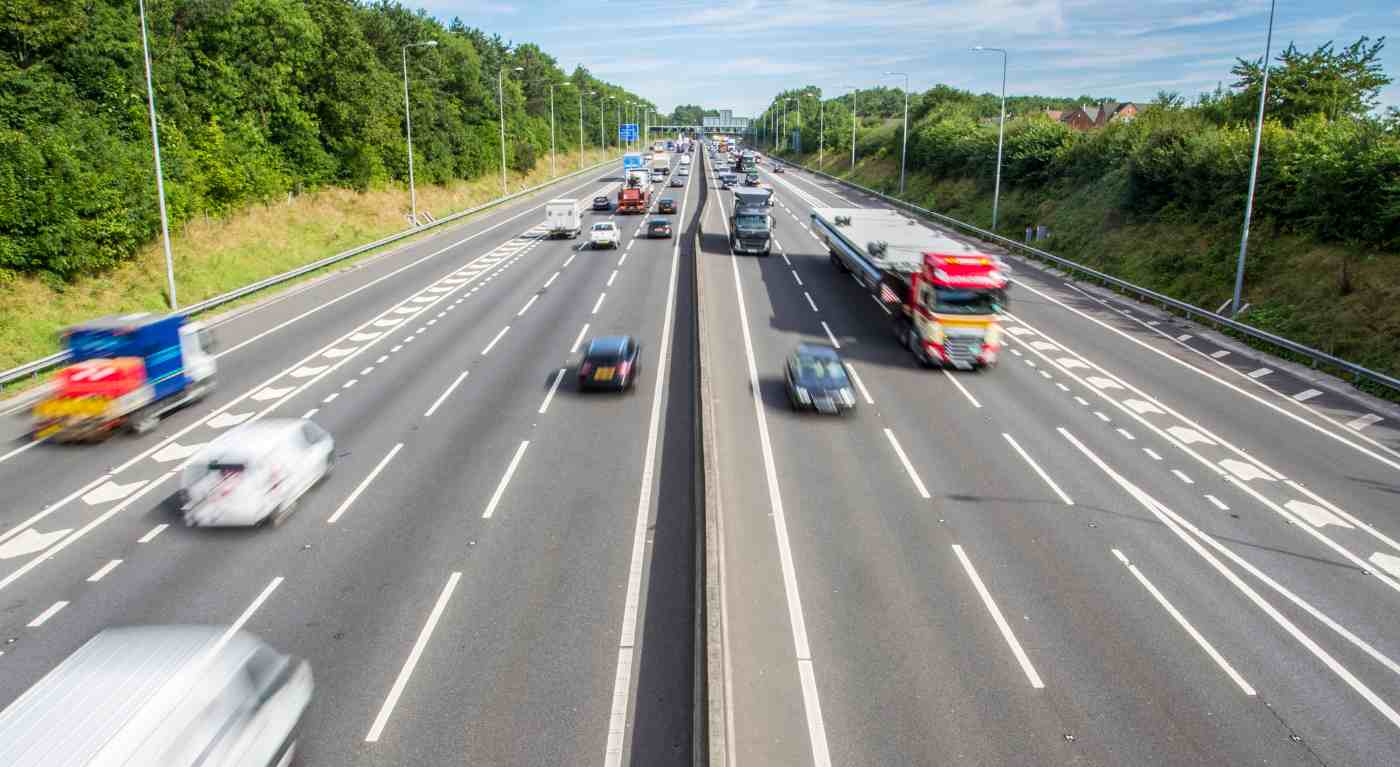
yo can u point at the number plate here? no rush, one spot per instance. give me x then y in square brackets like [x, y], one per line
[603, 374]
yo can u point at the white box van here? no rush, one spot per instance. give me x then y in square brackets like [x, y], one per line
[174, 696]
[563, 217]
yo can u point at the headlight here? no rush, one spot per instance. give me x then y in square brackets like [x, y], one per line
[803, 396]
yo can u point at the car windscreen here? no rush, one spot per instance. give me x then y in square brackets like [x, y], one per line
[602, 227]
[820, 372]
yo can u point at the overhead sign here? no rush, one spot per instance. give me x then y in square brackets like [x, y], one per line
[627, 132]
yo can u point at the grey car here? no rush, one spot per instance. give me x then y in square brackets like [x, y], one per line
[817, 380]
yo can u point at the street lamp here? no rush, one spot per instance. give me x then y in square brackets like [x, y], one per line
[602, 137]
[408, 125]
[1001, 130]
[155, 144]
[580, 125]
[904, 149]
[552, 171]
[787, 101]
[854, 94]
[501, 101]
[1253, 168]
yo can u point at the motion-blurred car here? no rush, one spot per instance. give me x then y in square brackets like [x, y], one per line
[658, 229]
[255, 473]
[816, 379]
[751, 179]
[666, 205]
[602, 202]
[175, 696]
[604, 234]
[677, 182]
[777, 168]
[610, 362]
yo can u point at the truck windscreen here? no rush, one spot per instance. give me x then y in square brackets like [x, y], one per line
[963, 301]
[751, 222]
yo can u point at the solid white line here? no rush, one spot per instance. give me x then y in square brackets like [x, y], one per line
[1179, 525]
[1304, 396]
[382, 719]
[550, 396]
[579, 340]
[505, 480]
[364, 484]
[1181, 475]
[1043, 475]
[795, 277]
[617, 717]
[551, 279]
[26, 524]
[962, 388]
[830, 336]
[810, 302]
[810, 700]
[527, 305]
[445, 394]
[908, 467]
[103, 571]
[1000, 621]
[860, 384]
[1185, 624]
[601, 296]
[19, 450]
[45, 615]
[1219, 504]
[152, 533]
[492, 345]
[611, 277]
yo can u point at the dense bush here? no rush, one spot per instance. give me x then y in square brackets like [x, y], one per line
[256, 98]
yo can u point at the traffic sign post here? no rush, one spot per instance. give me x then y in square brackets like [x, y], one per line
[627, 132]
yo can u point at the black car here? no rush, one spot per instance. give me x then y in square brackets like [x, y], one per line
[777, 168]
[666, 205]
[659, 228]
[816, 379]
[611, 362]
[751, 179]
[602, 203]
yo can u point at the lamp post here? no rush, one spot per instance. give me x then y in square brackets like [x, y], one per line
[602, 137]
[821, 131]
[408, 125]
[904, 148]
[552, 171]
[787, 101]
[501, 101]
[155, 145]
[1253, 168]
[1001, 131]
[580, 126]
[854, 94]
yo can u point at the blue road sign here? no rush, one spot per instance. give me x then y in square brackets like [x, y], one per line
[627, 132]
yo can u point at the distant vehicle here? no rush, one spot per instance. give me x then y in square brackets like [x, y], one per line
[726, 182]
[747, 161]
[684, 171]
[751, 225]
[602, 202]
[632, 161]
[657, 176]
[946, 298]
[126, 372]
[751, 178]
[666, 205]
[677, 182]
[685, 159]
[635, 194]
[175, 696]
[604, 234]
[611, 362]
[659, 228]
[255, 473]
[777, 168]
[816, 379]
[563, 217]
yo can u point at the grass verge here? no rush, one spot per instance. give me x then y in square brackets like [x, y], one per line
[214, 256]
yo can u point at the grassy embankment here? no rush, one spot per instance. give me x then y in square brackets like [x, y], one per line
[213, 256]
[1324, 295]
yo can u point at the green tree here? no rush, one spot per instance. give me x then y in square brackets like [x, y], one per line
[1336, 84]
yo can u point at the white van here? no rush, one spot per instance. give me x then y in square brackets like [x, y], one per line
[175, 696]
[255, 473]
[563, 217]
[685, 159]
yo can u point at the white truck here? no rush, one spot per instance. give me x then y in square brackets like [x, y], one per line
[944, 296]
[563, 217]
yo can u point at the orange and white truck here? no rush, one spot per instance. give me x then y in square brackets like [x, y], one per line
[945, 298]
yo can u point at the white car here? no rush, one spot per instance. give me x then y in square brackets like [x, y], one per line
[255, 473]
[604, 235]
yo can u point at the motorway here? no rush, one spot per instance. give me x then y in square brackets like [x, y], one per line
[1122, 546]
[500, 570]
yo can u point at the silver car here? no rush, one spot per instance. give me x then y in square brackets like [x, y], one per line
[174, 696]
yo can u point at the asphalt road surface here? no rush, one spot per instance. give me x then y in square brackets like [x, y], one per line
[500, 570]
[1120, 546]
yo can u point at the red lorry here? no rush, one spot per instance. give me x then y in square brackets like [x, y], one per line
[635, 194]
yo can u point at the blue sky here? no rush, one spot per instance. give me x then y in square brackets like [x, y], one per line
[737, 54]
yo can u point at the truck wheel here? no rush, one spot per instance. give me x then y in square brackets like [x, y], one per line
[143, 423]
